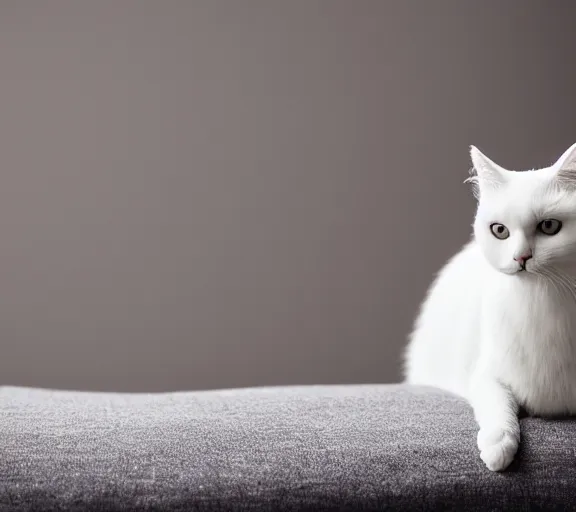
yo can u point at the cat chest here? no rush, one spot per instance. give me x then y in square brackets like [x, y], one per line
[539, 363]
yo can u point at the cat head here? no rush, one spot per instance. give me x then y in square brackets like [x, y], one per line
[526, 221]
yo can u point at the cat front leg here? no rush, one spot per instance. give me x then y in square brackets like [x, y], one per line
[496, 411]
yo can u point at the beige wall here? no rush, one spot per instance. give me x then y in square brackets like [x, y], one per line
[229, 193]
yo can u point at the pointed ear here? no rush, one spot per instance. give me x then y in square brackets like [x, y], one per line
[566, 167]
[485, 174]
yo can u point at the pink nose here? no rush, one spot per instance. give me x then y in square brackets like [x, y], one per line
[524, 258]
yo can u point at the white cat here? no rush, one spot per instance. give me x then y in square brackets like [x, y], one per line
[499, 323]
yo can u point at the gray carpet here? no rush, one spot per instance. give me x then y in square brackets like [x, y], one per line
[304, 448]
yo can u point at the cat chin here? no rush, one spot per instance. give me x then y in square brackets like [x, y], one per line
[512, 271]
[527, 273]
[518, 273]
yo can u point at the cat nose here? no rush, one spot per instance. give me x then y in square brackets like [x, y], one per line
[523, 258]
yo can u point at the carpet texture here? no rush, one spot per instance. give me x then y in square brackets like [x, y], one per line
[335, 448]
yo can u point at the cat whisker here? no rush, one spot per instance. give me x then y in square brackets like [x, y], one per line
[561, 280]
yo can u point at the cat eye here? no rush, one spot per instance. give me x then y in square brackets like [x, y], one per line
[550, 226]
[500, 231]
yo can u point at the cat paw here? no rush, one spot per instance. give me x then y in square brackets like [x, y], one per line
[497, 448]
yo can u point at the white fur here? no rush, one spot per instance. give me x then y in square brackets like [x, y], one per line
[501, 337]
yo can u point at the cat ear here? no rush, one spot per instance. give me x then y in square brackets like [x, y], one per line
[485, 174]
[566, 167]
